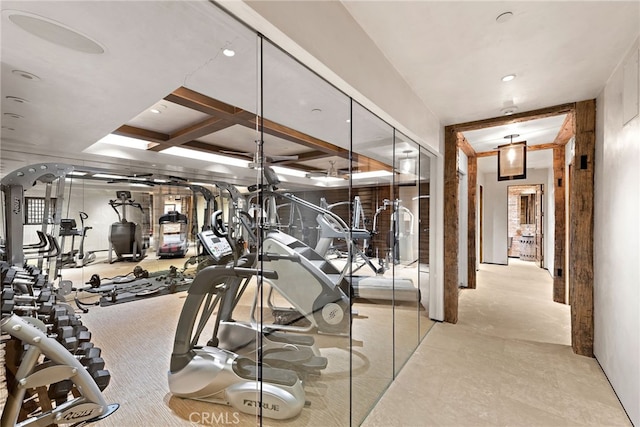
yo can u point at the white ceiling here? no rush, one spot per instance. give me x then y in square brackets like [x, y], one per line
[454, 54]
[451, 53]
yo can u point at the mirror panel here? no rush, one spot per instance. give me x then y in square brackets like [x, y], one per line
[405, 259]
[372, 183]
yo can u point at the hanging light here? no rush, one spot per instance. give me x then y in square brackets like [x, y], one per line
[512, 159]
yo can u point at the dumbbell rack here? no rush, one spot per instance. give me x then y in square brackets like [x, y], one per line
[53, 373]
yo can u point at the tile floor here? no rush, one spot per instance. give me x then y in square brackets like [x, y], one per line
[507, 362]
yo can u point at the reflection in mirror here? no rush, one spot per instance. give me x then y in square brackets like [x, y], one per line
[405, 225]
[372, 181]
[305, 159]
[424, 240]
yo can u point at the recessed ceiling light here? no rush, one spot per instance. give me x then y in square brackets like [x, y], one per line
[13, 115]
[509, 110]
[158, 109]
[508, 77]
[16, 99]
[54, 32]
[26, 75]
[316, 110]
[504, 17]
[228, 52]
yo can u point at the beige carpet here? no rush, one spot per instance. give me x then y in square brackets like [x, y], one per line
[137, 339]
[508, 362]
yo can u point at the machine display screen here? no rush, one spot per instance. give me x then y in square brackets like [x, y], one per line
[216, 247]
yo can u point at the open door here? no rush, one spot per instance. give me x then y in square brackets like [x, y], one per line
[539, 226]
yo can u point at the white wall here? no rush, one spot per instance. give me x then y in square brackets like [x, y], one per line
[94, 202]
[616, 243]
[496, 239]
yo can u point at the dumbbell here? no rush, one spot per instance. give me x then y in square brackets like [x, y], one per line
[60, 390]
[102, 378]
[67, 338]
[93, 364]
[89, 353]
[84, 348]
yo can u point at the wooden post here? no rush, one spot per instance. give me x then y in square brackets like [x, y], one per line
[472, 182]
[560, 185]
[581, 230]
[450, 234]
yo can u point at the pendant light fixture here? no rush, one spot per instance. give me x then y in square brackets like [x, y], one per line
[512, 159]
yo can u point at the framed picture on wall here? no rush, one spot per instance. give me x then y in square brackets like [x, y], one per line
[512, 161]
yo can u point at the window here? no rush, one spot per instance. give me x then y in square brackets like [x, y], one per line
[34, 210]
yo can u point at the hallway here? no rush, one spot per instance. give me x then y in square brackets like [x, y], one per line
[507, 362]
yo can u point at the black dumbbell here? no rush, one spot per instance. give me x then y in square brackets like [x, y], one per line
[89, 353]
[83, 336]
[83, 348]
[60, 390]
[93, 364]
[102, 378]
[7, 306]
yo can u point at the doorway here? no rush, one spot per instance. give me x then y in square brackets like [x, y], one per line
[525, 228]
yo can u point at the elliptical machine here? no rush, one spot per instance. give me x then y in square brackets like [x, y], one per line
[125, 238]
[210, 373]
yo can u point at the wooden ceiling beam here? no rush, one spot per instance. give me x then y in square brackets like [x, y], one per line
[224, 115]
[143, 134]
[198, 130]
[567, 130]
[199, 102]
[538, 147]
[515, 118]
[487, 153]
[464, 145]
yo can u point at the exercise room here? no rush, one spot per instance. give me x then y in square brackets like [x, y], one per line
[253, 244]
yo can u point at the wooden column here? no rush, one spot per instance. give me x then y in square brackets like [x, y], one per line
[581, 230]
[472, 183]
[450, 234]
[559, 259]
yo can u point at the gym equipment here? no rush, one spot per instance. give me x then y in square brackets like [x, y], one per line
[135, 285]
[125, 238]
[75, 257]
[329, 230]
[173, 235]
[209, 373]
[54, 373]
[242, 337]
[399, 243]
[61, 374]
[319, 269]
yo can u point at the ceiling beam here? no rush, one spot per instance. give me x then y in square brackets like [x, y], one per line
[538, 147]
[224, 115]
[464, 145]
[140, 133]
[487, 153]
[198, 130]
[199, 102]
[567, 130]
[515, 118]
